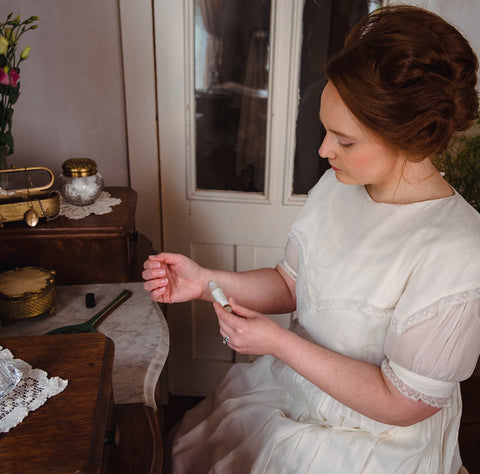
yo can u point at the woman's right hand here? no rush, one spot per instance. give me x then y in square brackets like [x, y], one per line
[173, 278]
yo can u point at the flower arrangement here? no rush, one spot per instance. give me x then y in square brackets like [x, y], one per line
[10, 32]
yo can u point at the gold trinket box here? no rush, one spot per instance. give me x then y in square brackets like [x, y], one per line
[27, 292]
[20, 199]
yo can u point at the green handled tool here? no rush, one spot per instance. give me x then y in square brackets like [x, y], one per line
[89, 326]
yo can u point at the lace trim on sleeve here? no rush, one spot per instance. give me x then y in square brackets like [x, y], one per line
[288, 269]
[400, 326]
[289, 263]
[412, 394]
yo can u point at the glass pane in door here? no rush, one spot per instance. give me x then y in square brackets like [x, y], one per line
[325, 25]
[232, 39]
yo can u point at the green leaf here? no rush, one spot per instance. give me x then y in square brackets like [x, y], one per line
[6, 139]
[461, 164]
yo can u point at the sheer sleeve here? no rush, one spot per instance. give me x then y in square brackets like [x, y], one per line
[290, 260]
[426, 361]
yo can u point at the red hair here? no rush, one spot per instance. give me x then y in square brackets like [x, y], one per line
[409, 76]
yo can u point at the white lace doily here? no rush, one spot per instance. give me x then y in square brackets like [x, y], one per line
[32, 392]
[103, 205]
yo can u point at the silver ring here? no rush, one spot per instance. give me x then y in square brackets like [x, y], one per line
[226, 339]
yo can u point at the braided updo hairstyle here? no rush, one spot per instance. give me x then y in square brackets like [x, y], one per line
[409, 76]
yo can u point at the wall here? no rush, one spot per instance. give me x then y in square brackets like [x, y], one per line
[463, 14]
[72, 99]
[77, 99]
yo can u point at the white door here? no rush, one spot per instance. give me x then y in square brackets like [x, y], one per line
[222, 228]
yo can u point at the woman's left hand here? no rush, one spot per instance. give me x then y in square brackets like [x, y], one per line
[249, 332]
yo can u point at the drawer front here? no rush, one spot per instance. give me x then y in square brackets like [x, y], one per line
[75, 260]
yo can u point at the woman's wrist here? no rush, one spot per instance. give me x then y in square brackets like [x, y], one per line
[279, 337]
[206, 276]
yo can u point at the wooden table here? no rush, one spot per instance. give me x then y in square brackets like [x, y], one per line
[137, 327]
[140, 334]
[67, 433]
[95, 249]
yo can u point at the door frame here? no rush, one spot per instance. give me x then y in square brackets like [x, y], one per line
[213, 226]
[137, 34]
[287, 17]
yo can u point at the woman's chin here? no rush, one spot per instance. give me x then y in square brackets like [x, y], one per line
[344, 178]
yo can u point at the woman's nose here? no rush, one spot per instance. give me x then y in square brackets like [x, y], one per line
[325, 151]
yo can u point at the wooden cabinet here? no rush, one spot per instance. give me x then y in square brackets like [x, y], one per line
[95, 249]
[67, 433]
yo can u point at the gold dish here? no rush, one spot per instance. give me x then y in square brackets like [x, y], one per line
[27, 292]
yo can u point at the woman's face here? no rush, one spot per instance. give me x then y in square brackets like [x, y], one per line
[356, 155]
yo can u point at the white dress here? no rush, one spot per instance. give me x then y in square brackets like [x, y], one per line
[397, 286]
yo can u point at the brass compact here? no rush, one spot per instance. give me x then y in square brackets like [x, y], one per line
[21, 199]
[27, 292]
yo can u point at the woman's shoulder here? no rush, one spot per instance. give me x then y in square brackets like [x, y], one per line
[455, 221]
[447, 261]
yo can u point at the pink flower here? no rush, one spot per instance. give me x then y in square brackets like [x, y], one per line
[10, 78]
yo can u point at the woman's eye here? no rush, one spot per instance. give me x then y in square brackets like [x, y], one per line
[343, 142]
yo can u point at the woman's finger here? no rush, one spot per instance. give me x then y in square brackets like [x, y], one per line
[153, 274]
[224, 317]
[239, 310]
[148, 264]
[154, 284]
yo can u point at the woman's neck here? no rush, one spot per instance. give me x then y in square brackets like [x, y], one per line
[415, 182]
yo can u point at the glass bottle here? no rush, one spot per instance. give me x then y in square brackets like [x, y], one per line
[81, 184]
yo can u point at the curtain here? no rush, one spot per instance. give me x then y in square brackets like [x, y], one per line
[212, 15]
[252, 129]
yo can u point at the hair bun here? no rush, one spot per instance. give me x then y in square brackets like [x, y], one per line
[409, 76]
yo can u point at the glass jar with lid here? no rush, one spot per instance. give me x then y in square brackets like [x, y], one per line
[81, 184]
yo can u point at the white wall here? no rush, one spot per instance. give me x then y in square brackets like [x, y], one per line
[463, 14]
[72, 90]
[77, 98]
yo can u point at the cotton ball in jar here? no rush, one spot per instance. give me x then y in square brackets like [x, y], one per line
[81, 184]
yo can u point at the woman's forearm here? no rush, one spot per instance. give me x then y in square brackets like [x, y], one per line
[359, 385]
[264, 290]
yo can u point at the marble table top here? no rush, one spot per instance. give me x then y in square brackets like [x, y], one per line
[137, 327]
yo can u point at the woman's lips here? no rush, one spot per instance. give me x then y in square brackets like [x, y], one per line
[334, 168]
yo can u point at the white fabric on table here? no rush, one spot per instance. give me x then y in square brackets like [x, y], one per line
[32, 392]
[102, 205]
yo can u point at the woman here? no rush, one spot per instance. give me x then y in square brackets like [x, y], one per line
[382, 267]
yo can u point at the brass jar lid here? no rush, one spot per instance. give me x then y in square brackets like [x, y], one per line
[79, 167]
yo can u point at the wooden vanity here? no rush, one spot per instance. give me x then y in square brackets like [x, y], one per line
[70, 432]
